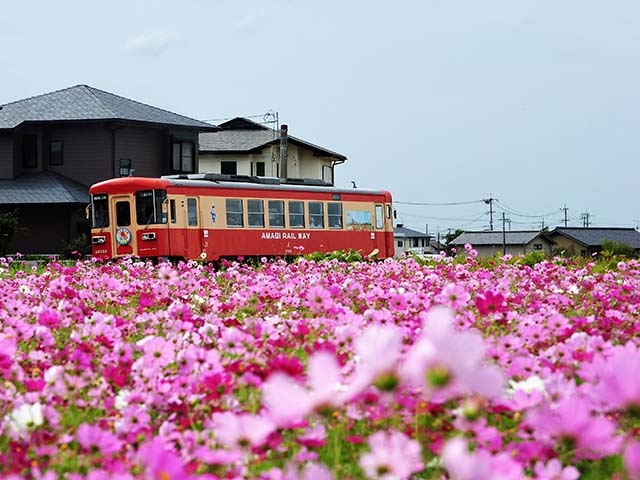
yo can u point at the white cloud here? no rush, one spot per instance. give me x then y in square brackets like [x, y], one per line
[153, 42]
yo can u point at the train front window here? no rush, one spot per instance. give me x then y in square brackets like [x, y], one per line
[149, 207]
[100, 211]
[379, 218]
[123, 214]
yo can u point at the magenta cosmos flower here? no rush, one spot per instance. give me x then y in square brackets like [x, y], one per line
[393, 456]
[161, 463]
[93, 438]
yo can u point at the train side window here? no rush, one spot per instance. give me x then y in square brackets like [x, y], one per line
[192, 212]
[172, 209]
[388, 211]
[334, 214]
[296, 214]
[234, 212]
[255, 211]
[276, 213]
[123, 214]
[316, 214]
[379, 218]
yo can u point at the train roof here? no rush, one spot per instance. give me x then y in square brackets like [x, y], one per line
[208, 180]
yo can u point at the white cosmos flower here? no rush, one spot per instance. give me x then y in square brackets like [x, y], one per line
[26, 417]
[122, 399]
[532, 383]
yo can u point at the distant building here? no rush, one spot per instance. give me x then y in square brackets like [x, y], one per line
[412, 241]
[585, 241]
[490, 243]
[244, 147]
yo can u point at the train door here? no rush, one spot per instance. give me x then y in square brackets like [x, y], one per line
[193, 231]
[124, 240]
[378, 236]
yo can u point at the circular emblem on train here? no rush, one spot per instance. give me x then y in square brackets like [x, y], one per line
[123, 236]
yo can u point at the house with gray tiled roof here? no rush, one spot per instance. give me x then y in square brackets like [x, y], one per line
[412, 241]
[490, 243]
[54, 146]
[244, 147]
[585, 241]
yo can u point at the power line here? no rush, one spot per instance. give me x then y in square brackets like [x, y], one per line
[430, 204]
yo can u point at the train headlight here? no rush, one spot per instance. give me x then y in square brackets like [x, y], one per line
[98, 239]
[149, 236]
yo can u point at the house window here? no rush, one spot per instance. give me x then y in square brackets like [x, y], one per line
[125, 167]
[400, 244]
[30, 151]
[182, 157]
[327, 174]
[258, 169]
[537, 246]
[229, 168]
[55, 152]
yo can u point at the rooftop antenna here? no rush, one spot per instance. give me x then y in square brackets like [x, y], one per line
[354, 184]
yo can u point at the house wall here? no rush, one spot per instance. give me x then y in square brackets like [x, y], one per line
[569, 247]
[486, 251]
[6, 156]
[145, 148]
[46, 228]
[301, 163]
[86, 152]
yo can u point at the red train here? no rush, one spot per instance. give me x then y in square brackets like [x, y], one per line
[213, 216]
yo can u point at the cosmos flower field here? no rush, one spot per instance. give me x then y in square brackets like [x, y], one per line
[321, 370]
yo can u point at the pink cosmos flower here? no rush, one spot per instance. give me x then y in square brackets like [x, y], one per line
[161, 463]
[157, 351]
[393, 456]
[572, 419]
[632, 459]
[553, 470]
[444, 357]
[288, 401]
[241, 430]
[91, 437]
[453, 295]
[8, 350]
[490, 302]
[461, 464]
[319, 298]
[619, 382]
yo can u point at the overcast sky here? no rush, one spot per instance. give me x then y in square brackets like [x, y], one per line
[534, 103]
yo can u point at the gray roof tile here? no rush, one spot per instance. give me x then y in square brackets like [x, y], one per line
[87, 103]
[243, 135]
[409, 233]
[594, 236]
[495, 238]
[47, 187]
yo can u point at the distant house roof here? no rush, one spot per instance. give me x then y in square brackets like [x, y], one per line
[82, 103]
[594, 236]
[32, 188]
[496, 238]
[242, 135]
[402, 231]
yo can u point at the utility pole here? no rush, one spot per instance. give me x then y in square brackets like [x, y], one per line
[585, 219]
[542, 224]
[565, 214]
[284, 144]
[504, 235]
[489, 201]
